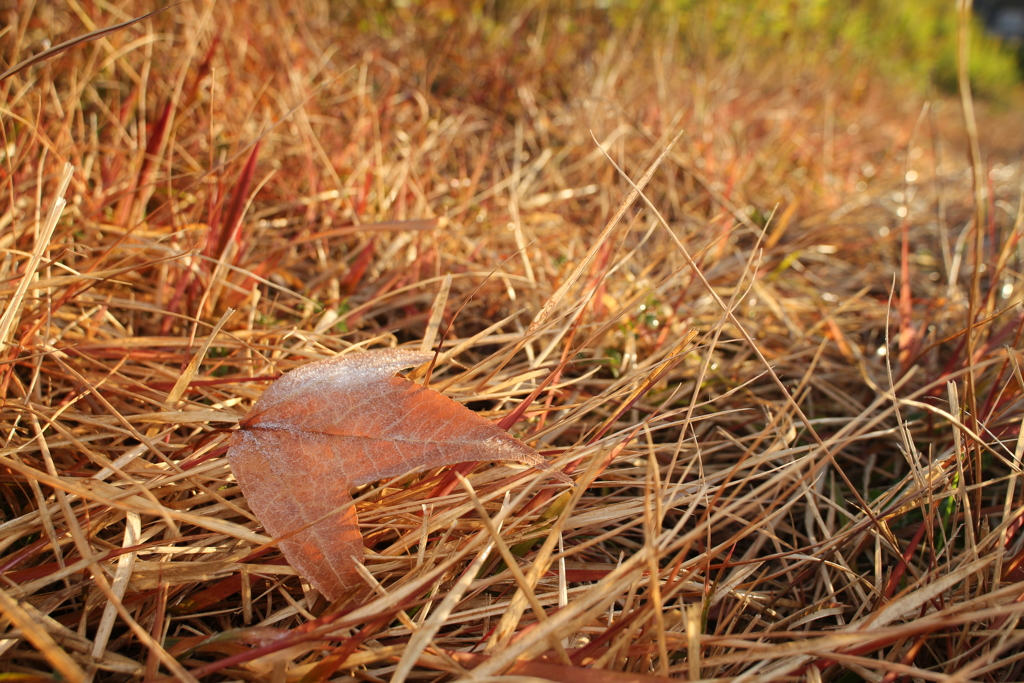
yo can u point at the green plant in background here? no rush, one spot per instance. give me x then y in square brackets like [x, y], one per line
[913, 41]
[920, 38]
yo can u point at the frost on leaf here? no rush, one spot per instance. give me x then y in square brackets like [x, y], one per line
[328, 426]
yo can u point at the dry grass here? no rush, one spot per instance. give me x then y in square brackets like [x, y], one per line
[257, 185]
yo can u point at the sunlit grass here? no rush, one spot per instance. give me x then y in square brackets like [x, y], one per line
[823, 485]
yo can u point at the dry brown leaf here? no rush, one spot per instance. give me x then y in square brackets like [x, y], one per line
[334, 424]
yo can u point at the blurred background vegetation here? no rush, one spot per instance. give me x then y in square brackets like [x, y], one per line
[912, 41]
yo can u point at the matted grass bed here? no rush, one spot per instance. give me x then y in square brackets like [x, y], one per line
[785, 377]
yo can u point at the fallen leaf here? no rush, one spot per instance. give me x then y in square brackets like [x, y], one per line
[328, 426]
